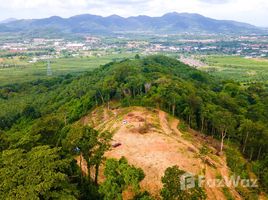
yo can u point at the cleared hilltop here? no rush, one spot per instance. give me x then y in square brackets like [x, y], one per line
[150, 139]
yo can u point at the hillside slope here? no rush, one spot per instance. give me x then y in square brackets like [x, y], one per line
[47, 108]
[150, 140]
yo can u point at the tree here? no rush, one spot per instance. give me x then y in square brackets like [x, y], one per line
[204, 114]
[119, 177]
[224, 122]
[258, 143]
[260, 167]
[37, 174]
[246, 127]
[172, 187]
[91, 144]
[103, 145]
[48, 128]
[193, 103]
[30, 112]
[82, 139]
[3, 141]
[137, 56]
[143, 196]
[107, 89]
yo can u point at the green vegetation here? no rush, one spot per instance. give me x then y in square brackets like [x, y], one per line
[183, 127]
[205, 150]
[46, 113]
[236, 68]
[227, 193]
[21, 71]
[174, 189]
[236, 162]
[37, 174]
[90, 144]
[120, 176]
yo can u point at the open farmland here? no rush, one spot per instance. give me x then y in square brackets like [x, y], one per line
[237, 68]
[23, 71]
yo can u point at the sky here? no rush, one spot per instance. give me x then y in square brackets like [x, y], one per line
[250, 11]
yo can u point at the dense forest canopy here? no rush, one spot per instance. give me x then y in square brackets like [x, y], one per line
[38, 122]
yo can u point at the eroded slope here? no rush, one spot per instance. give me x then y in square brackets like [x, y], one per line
[150, 140]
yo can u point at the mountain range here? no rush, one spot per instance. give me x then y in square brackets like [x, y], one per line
[8, 20]
[170, 23]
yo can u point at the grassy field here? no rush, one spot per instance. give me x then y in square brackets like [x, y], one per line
[31, 71]
[226, 67]
[237, 68]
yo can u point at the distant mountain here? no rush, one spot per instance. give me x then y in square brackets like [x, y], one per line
[170, 23]
[8, 20]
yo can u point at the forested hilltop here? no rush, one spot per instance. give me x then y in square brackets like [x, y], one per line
[40, 133]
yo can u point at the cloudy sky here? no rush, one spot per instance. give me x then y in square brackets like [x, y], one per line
[251, 11]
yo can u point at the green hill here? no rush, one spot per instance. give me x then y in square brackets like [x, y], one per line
[47, 111]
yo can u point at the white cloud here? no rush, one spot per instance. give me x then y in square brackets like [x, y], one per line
[215, 1]
[252, 11]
